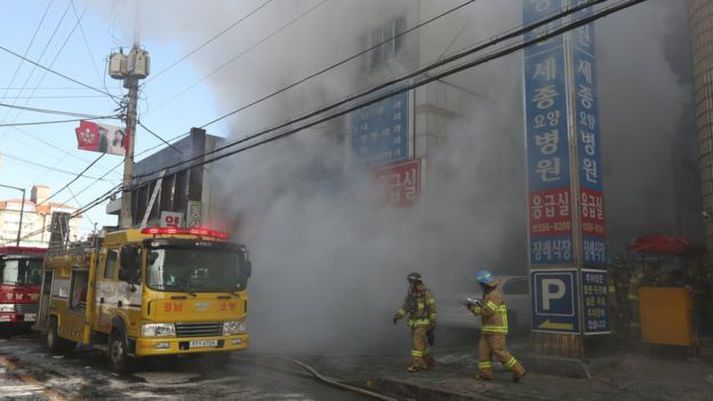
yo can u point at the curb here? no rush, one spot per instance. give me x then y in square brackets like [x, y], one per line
[412, 391]
[557, 366]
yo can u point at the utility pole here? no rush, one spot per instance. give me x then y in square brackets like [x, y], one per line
[22, 211]
[126, 218]
[130, 69]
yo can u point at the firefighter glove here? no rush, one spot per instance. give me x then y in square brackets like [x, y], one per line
[397, 317]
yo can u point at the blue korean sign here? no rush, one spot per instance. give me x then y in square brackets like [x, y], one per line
[555, 300]
[380, 133]
[586, 108]
[595, 298]
[548, 156]
[537, 10]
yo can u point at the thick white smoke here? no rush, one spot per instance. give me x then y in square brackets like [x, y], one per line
[330, 261]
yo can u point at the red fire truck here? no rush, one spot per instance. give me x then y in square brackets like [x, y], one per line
[21, 279]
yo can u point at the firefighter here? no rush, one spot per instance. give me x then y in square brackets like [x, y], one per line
[420, 306]
[494, 328]
[633, 298]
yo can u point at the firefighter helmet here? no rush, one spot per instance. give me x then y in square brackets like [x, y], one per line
[485, 277]
[414, 277]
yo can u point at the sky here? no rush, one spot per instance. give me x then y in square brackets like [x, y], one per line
[47, 154]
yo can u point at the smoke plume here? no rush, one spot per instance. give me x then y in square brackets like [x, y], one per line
[329, 258]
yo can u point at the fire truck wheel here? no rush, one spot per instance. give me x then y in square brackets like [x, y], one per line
[55, 343]
[118, 352]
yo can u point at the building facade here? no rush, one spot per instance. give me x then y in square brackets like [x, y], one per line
[36, 219]
[179, 196]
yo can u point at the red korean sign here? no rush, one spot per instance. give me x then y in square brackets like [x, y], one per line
[401, 183]
[592, 205]
[550, 212]
[101, 138]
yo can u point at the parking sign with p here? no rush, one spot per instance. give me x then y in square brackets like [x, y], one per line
[555, 303]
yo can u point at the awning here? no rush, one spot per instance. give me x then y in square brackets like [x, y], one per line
[661, 244]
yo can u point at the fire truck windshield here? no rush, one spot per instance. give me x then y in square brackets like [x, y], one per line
[22, 271]
[195, 270]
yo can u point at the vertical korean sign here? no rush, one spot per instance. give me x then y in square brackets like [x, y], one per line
[548, 153]
[566, 202]
[587, 128]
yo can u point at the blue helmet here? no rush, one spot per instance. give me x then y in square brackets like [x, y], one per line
[485, 277]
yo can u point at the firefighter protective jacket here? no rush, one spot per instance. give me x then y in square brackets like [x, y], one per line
[420, 306]
[493, 313]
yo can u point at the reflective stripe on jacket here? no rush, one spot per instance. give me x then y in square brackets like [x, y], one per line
[493, 313]
[420, 307]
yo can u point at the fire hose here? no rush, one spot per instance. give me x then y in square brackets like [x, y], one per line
[342, 386]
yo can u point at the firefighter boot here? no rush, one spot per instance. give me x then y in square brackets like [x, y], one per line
[485, 371]
[518, 372]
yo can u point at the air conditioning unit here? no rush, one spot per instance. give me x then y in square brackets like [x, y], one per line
[118, 65]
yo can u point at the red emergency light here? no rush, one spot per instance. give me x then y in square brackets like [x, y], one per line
[201, 232]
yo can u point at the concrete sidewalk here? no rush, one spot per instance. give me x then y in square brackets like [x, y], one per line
[622, 377]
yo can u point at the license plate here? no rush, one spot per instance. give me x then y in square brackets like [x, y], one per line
[30, 317]
[203, 343]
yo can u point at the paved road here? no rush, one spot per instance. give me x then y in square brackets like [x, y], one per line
[28, 372]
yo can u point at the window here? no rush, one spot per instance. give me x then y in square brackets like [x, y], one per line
[130, 267]
[392, 48]
[517, 286]
[111, 262]
[78, 294]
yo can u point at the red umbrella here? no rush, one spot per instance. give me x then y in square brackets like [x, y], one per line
[660, 244]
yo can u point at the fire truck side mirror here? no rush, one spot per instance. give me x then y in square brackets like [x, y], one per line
[248, 269]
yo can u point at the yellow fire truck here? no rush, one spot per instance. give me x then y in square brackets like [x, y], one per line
[147, 292]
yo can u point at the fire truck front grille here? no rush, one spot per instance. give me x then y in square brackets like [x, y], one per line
[26, 308]
[209, 329]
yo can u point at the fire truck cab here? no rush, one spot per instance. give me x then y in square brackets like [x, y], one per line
[148, 292]
[21, 273]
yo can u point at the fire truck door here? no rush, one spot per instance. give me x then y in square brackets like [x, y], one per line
[42, 315]
[106, 282]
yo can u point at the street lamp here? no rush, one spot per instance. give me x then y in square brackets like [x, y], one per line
[22, 209]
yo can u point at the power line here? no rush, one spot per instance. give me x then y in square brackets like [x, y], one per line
[34, 67]
[101, 178]
[207, 42]
[396, 81]
[487, 58]
[32, 163]
[74, 120]
[27, 49]
[239, 55]
[76, 213]
[159, 137]
[48, 111]
[340, 63]
[48, 143]
[73, 180]
[59, 52]
[62, 88]
[56, 97]
[331, 67]
[79, 204]
[59, 74]
[86, 42]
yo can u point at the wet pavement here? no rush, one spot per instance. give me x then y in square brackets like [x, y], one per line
[665, 375]
[30, 373]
